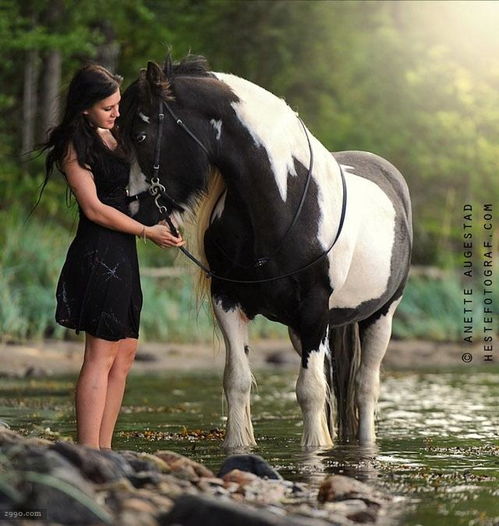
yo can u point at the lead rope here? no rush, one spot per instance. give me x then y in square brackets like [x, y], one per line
[158, 190]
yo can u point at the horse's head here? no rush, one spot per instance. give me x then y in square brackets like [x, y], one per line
[151, 108]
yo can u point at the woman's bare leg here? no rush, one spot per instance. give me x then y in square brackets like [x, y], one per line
[115, 389]
[91, 388]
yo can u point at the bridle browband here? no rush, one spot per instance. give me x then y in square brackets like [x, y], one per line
[158, 191]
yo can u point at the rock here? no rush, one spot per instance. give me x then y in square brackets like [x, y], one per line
[64, 503]
[191, 510]
[35, 372]
[339, 487]
[363, 516]
[133, 518]
[97, 466]
[9, 437]
[145, 462]
[43, 460]
[146, 478]
[184, 467]
[284, 357]
[241, 478]
[143, 356]
[264, 491]
[250, 463]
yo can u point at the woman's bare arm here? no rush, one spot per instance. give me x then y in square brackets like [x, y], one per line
[82, 184]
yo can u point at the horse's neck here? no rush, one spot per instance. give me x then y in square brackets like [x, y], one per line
[271, 142]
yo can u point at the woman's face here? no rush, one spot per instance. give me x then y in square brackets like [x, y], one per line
[103, 113]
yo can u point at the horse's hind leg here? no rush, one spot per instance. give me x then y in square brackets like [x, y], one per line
[237, 376]
[374, 341]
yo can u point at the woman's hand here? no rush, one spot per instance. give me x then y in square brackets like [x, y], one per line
[161, 235]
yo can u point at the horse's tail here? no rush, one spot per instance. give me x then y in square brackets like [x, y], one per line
[341, 370]
[216, 186]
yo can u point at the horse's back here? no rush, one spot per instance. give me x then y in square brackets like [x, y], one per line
[381, 172]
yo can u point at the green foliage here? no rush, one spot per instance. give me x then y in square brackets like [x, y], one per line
[433, 309]
[395, 78]
[416, 82]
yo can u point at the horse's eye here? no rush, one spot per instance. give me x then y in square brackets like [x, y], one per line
[141, 137]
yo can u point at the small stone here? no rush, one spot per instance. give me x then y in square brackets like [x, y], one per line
[196, 510]
[145, 462]
[250, 463]
[363, 516]
[241, 478]
[143, 356]
[97, 466]
[9, 437]
[35, 372]
[339, 487]
[183, 466]
[134, 518]
[136, 504]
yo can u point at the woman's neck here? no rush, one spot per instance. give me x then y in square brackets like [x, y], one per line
[107, 138]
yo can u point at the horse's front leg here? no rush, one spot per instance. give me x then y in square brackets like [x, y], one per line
[237, 376]
[311, 386]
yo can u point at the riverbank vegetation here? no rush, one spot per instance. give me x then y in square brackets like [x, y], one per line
[34, 251]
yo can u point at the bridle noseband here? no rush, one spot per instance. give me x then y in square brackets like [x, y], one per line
[158, 191]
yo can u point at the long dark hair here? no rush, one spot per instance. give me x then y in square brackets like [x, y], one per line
[90, 84]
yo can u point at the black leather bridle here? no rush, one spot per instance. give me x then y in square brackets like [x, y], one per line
[158, 191]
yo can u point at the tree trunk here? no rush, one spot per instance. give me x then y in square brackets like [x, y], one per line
[30, 101]
[50, 103]
[109, 51]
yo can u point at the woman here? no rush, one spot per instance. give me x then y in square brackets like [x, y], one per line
[99, 287]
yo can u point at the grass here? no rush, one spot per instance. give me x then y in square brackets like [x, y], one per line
[33, 253]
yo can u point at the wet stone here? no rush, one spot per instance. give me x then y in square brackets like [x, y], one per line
[84, 486]
[97, 466]
[250, 463]
[195, 510]
[145, 462]
[339, 487]
[184, 467]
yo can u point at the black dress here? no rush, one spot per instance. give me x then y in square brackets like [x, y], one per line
[99, 287]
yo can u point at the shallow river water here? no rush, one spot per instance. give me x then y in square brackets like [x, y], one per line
[437, 447]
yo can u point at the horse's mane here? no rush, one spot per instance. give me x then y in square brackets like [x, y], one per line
[191, 66]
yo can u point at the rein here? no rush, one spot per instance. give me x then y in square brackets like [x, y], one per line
[158, 191]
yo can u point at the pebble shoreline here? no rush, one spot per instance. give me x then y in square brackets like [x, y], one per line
[76, 485]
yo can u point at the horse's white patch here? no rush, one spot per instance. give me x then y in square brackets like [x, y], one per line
[218, 127]
[311, 392]
[360, 262]
[137, 183]
[145, 118]
[219, 208]
[273, 125]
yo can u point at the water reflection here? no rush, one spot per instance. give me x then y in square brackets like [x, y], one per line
[348, 459]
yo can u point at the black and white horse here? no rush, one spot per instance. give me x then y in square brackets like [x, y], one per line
[275, 209]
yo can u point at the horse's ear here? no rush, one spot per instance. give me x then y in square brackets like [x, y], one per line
[154, 75]
[168, 66]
